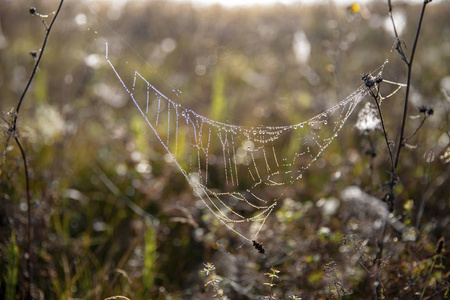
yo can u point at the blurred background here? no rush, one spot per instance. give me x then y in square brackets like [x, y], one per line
[111, 217]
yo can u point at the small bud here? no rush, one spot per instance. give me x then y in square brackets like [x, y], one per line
[33, 10]
[423, 109]
[368, 80]
[430, 111]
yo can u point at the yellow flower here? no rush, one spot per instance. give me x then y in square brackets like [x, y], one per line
[355, 8]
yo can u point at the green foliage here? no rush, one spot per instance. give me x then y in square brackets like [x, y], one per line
[87, 148]
[273, 280]
[150, 256]
[218, 102]
[12, 267]
[41, 89]
[214, 281]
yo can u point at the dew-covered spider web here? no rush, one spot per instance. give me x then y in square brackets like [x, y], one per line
[239, 172]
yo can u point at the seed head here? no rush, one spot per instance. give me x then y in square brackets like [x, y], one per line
[423, 109]
[259, 247]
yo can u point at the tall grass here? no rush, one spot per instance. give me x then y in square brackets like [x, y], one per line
[79, 223]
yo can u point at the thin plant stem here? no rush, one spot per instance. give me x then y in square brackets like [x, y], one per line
[13, 131]
[375, 98]
[28, 230]
[36, 64]
[260, 248]
[394, 161]
[279, 280]
[398, 42]
[372, 156]
[422, 200]
[416, 130]
[409, 64]
[428, 278]
[381, 243]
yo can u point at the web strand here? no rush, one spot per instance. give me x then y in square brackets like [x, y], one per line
[252, 167]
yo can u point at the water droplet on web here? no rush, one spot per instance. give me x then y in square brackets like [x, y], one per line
[258, 155]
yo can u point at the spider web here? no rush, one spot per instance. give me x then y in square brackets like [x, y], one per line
[239, 172]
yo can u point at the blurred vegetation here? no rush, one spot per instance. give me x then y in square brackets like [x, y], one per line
[111, 217]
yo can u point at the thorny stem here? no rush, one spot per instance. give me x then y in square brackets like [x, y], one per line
[13, 131]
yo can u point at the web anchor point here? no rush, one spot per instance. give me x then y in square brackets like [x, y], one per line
[259, 247]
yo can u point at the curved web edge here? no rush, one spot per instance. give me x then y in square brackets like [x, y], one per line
[250, 160]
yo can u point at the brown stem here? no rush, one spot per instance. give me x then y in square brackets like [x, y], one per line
[36, 64]
[13, 131]
[28, 247]
[375, 98]
[409, 63]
